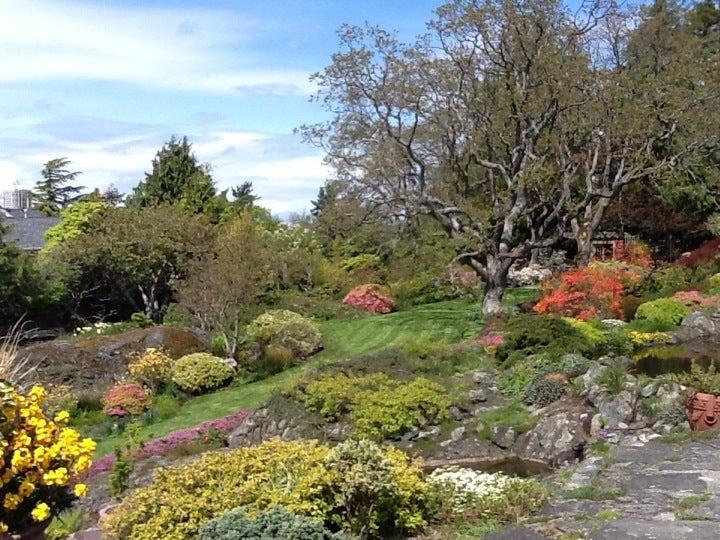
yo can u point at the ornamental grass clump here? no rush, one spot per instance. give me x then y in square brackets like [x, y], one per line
[476, 495]
[40, 460]
[126, 399]
[332, 486]
[201, 372]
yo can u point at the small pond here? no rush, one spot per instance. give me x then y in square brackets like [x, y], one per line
[663, 359]
[511, 465]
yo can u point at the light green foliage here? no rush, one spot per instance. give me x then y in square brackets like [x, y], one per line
[74, 221]
[201, 372]
[573, 365]
[591, 333]
[286, 328]
[273, 524]
[379, 491]
[542, 391]
[302, 476]
[417, 403]
[377, 405]
[663, 311]
[364, 261]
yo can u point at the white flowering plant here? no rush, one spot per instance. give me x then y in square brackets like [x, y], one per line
[485, 496]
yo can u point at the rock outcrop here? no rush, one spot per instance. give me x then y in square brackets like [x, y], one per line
[87, 363]
[560, 435]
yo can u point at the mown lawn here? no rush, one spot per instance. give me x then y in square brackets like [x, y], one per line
[450, 322]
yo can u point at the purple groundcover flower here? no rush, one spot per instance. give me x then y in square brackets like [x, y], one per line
[163, 445]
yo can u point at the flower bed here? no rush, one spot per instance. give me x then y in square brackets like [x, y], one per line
[174, 439]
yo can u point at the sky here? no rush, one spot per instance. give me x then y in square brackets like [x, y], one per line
[106, 83]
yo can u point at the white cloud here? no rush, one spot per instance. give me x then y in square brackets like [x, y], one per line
[284, 183]
[177, 48]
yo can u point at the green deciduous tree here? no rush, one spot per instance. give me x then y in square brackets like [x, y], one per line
[74, 221]
[511, 123]
[135, 254]
[224, 290]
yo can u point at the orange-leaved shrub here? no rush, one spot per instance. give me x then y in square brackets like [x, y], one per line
[587, 292]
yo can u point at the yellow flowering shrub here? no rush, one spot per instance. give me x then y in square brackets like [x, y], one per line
[152, 368]
[40, 458]
[300, 476]
[649, 338]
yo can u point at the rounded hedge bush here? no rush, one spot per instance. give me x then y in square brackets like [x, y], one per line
[663, 311]
[201, 372]
[273, 524]
[126, 399]
[284, 328]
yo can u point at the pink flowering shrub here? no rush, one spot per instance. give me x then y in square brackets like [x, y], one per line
[370, 297]
[696, 300]
[174, 439]
[126, 398]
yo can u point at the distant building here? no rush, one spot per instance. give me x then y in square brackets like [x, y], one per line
[26, 227]
[16, 199]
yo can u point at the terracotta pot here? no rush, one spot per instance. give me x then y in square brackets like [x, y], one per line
[704, 411]
[34, 532]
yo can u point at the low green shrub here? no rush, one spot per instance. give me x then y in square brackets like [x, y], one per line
[278, 358]
[201, 372]
[667, 311]
[335, 486]
[377, 405]
[287, 329]
[700, 378]
[543, 391]
[532, 334]
[273, 524]
[391, 413]
[164, 406]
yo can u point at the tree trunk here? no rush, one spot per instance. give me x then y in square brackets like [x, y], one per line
[495, 285]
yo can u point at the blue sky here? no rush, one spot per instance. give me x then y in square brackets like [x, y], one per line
[106, 83]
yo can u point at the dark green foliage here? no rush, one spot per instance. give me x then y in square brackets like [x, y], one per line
[53, 192]
[532, 334]
[542, 391]
[20, 284]
[573, 365]
[119, 479]
[275, 524]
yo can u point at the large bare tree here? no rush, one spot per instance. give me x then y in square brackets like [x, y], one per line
[512, 123]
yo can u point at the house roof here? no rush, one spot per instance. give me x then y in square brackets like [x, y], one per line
[27, 230]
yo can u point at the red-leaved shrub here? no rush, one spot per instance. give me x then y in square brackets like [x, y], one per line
[702, 255]
[370, 297]
[126, 398]
[586, 292]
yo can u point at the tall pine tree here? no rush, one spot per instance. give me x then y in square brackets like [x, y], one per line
[55, 191]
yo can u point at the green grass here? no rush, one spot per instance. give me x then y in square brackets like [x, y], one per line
[449, 322]
[515, 415]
